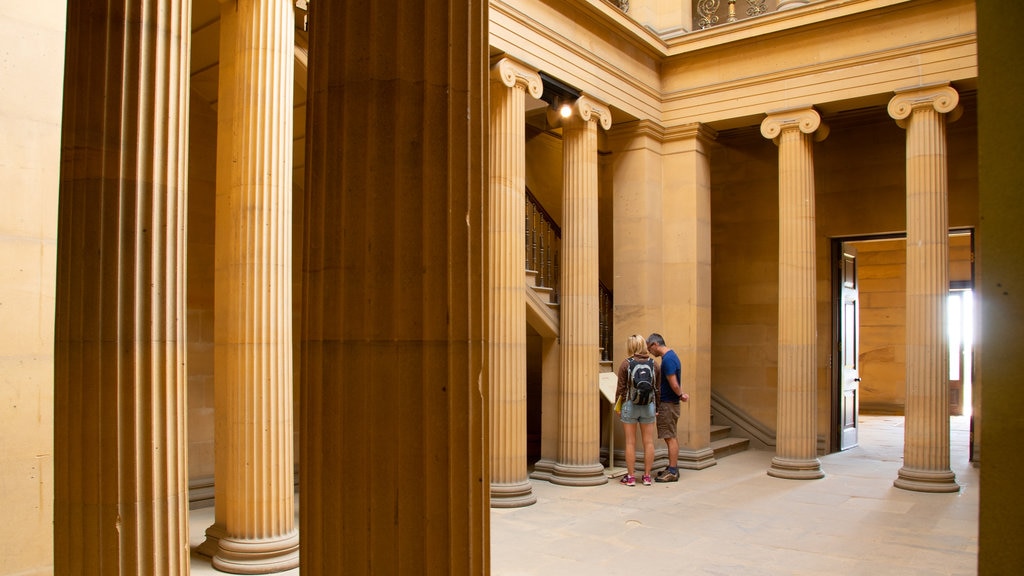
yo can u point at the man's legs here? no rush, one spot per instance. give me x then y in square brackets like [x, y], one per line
[668, 417]
[673, 452]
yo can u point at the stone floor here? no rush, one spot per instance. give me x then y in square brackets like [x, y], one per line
[733, 519]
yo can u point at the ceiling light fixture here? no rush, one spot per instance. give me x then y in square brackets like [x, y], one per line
[559, 95]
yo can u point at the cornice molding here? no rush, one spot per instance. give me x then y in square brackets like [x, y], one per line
[824, 68]
[697, 130]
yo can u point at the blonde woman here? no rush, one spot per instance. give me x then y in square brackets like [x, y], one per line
[639, 406]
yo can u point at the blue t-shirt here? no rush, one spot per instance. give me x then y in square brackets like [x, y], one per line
[670, 364]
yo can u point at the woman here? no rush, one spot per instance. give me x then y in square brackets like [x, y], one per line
[633, 413]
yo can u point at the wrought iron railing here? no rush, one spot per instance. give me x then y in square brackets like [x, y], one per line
[605, 322]
[543, 243]
[710, 12]
[543, 239]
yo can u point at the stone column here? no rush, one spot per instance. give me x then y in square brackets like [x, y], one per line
[579, 452]
[254, 530]
[924, 111]
[686, 280]
[510, 483]
[394, 384]
[796, 449]
[121, 501]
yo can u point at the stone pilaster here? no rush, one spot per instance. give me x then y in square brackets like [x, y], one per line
[254, 528]
[551, 427]
[924, 111]
[579, 453]
[793, 131]
[639, 297]
[637, 231]
[394, 391]
[510, 483]
[120, 500]
[686, 280]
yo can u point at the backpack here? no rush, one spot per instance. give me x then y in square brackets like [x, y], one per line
[641, 382]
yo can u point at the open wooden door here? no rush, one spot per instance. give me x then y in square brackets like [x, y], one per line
[849, 348]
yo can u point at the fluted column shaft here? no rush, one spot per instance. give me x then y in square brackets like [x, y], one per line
[510, 484]
[394, 389]
[796, 449]
[924, 112]
[255, 528]
[579, 457]
[121, 502]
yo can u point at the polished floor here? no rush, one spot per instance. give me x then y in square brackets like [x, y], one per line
[733, 519]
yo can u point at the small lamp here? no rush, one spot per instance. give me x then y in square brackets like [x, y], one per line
[559, 95]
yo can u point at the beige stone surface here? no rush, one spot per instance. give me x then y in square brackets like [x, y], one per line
[844, 57]
[32, 44]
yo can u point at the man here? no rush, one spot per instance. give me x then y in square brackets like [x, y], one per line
[668, 410]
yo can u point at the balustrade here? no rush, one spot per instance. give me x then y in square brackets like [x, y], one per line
[542, 245]
[543, 237]
[708, 13]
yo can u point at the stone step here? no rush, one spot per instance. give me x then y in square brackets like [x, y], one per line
[727, 446]
[723, 444]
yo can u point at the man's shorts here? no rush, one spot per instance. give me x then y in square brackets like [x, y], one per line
[668, 417]
[644, 414]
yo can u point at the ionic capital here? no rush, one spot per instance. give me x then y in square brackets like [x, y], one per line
[511, 73]
[587, 107]
[805, 119]
[942, 97]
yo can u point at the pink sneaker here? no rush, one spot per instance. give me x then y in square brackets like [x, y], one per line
[628, 480]
[647, 479]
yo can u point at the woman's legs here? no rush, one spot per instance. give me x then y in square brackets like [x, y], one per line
[630, 433]
[647, 432]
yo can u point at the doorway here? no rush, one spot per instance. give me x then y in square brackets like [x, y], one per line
[869, 327]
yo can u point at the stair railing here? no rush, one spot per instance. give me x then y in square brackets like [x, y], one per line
[543, 240]
[605, 322]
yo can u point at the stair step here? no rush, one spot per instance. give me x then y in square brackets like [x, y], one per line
[724, 444]
[727, 446]
[720, 432]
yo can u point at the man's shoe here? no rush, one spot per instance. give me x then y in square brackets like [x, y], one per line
[667, 476]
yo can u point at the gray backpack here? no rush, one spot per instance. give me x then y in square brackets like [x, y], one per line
[641, 382]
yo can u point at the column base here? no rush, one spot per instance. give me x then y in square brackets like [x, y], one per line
[516, 495]
[696, 459]
[926, 480]
[211, 544]
[543, 469]
[793, 469]
[263, 556]
[579, 475]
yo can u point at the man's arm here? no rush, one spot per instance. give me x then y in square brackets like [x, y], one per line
[676, 387]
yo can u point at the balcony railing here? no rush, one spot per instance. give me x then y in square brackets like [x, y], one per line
[708, 13]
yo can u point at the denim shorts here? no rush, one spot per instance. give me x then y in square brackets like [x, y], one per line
[631, 414]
